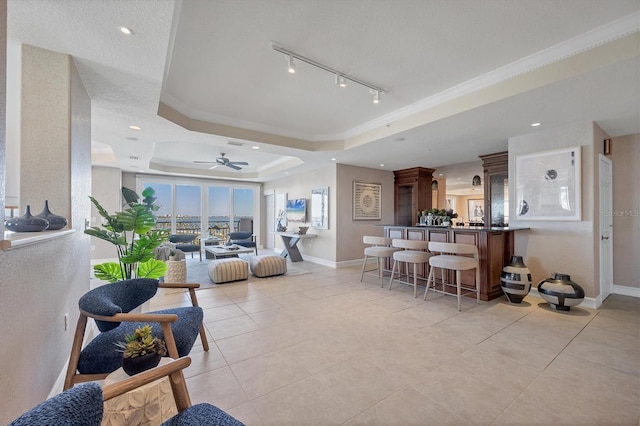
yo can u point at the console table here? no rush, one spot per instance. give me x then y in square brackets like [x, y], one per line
[290, 241]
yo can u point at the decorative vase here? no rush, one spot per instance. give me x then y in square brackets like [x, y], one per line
[515, 280]
[176, 271]
[55, 221]
[423, 219]
[139, 364]
[26, 223]
[560, 292]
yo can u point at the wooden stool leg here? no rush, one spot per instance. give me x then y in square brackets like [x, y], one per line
[393, 268]
[458, 285]
[429, 278]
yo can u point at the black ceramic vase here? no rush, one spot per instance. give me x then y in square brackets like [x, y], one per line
[560, 292]
[55, 221]
[139, 364]
[515, 280]
[26, 223]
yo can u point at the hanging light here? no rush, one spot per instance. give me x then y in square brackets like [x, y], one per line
[476, 181]
[341, 81]
[292, 66]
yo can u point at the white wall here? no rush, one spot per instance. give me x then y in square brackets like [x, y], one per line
[561, 246]
[105, 187]
[41, 282]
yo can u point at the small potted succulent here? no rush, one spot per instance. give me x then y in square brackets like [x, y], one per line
[141, 350]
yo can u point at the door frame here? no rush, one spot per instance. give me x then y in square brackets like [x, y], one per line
[605, 231]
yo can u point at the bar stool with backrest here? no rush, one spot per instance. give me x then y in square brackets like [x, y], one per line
[454, 256]
[410, 251]
[380, 249]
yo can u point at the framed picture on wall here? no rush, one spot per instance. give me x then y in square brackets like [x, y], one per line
[475, 210]
[366, 201]
[548, 185]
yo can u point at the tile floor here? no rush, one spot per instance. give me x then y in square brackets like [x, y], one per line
[325, 349]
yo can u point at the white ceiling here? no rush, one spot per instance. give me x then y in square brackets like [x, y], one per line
[460, 78]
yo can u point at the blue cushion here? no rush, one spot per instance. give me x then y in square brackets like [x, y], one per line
[122, 296]
[79, 406]
[202, 414]
[101, 356]
[182, 238]
[188, 247]
[240, 236]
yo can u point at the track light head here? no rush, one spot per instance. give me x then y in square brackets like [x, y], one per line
[376, 96]
[341, 81]
[292, 66]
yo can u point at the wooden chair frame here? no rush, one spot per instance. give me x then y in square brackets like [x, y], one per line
[72, 377]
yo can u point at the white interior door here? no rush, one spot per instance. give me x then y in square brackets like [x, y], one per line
[606, 227]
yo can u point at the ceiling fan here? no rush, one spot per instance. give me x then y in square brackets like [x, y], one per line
[224, 161]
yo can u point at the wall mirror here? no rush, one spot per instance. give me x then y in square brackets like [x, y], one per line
[320, 208]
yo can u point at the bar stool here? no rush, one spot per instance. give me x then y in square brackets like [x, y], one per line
[412, 251]
[380, 250]
[454, 259]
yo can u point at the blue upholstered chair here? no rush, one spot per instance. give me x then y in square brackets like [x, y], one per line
[83, 405]
[110, 306]
[185, 243]
[244, 239]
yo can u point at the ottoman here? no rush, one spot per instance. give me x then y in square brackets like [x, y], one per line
[268, 265]
[225, 270]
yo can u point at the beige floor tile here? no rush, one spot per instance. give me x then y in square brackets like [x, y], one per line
[246, 414]
[307, 402]
[218, 387]
[603, 354]
[202, 361]
[258, 305]
[318, 355]
[273, 317]
[523, 413]
[214, 301]
[624, 323]
[465, 395]
[291, 299]
[222, 312]
[231, 327]
[473, 327]
[359, 383]
[261, 375]
[245, 346]
[612, 338]
[408, 408]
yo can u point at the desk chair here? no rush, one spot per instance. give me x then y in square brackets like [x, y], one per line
[110, 306]
[409, 251]
[380, 249]
[454, 257]
[83, 405]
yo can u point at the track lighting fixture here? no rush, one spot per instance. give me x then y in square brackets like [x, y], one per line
[292, 66]
[341, 78]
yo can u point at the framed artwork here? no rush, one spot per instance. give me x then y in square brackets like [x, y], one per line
[475, 210]
[366, 201]
[320, 208]
[548, 185]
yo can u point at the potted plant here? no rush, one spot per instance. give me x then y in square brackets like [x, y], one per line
[141, 350]
[172, 255]
[131, 231]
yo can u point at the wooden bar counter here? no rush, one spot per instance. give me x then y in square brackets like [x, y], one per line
[495, 247]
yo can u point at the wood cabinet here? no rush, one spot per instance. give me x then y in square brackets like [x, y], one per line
[496, 188]
[495, 248]
[412, 192]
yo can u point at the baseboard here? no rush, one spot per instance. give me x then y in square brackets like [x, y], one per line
[626, 291]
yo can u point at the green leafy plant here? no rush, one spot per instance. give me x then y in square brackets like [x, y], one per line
[141, 342]
[131, 231]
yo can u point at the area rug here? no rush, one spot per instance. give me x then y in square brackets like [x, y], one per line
[197, 272]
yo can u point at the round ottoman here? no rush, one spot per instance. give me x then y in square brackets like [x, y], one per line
[267, 265]
[226, 270]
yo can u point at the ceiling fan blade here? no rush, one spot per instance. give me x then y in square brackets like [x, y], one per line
[204, 162]
[233, 166]
[214, 166]
[239, 163]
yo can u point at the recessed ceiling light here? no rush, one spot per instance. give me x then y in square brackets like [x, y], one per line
[133, 127]
[125, 30]
[381, 164]
[441, 174]
[535, 124]
[286, 173]
[255, 147]
[333, 159]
